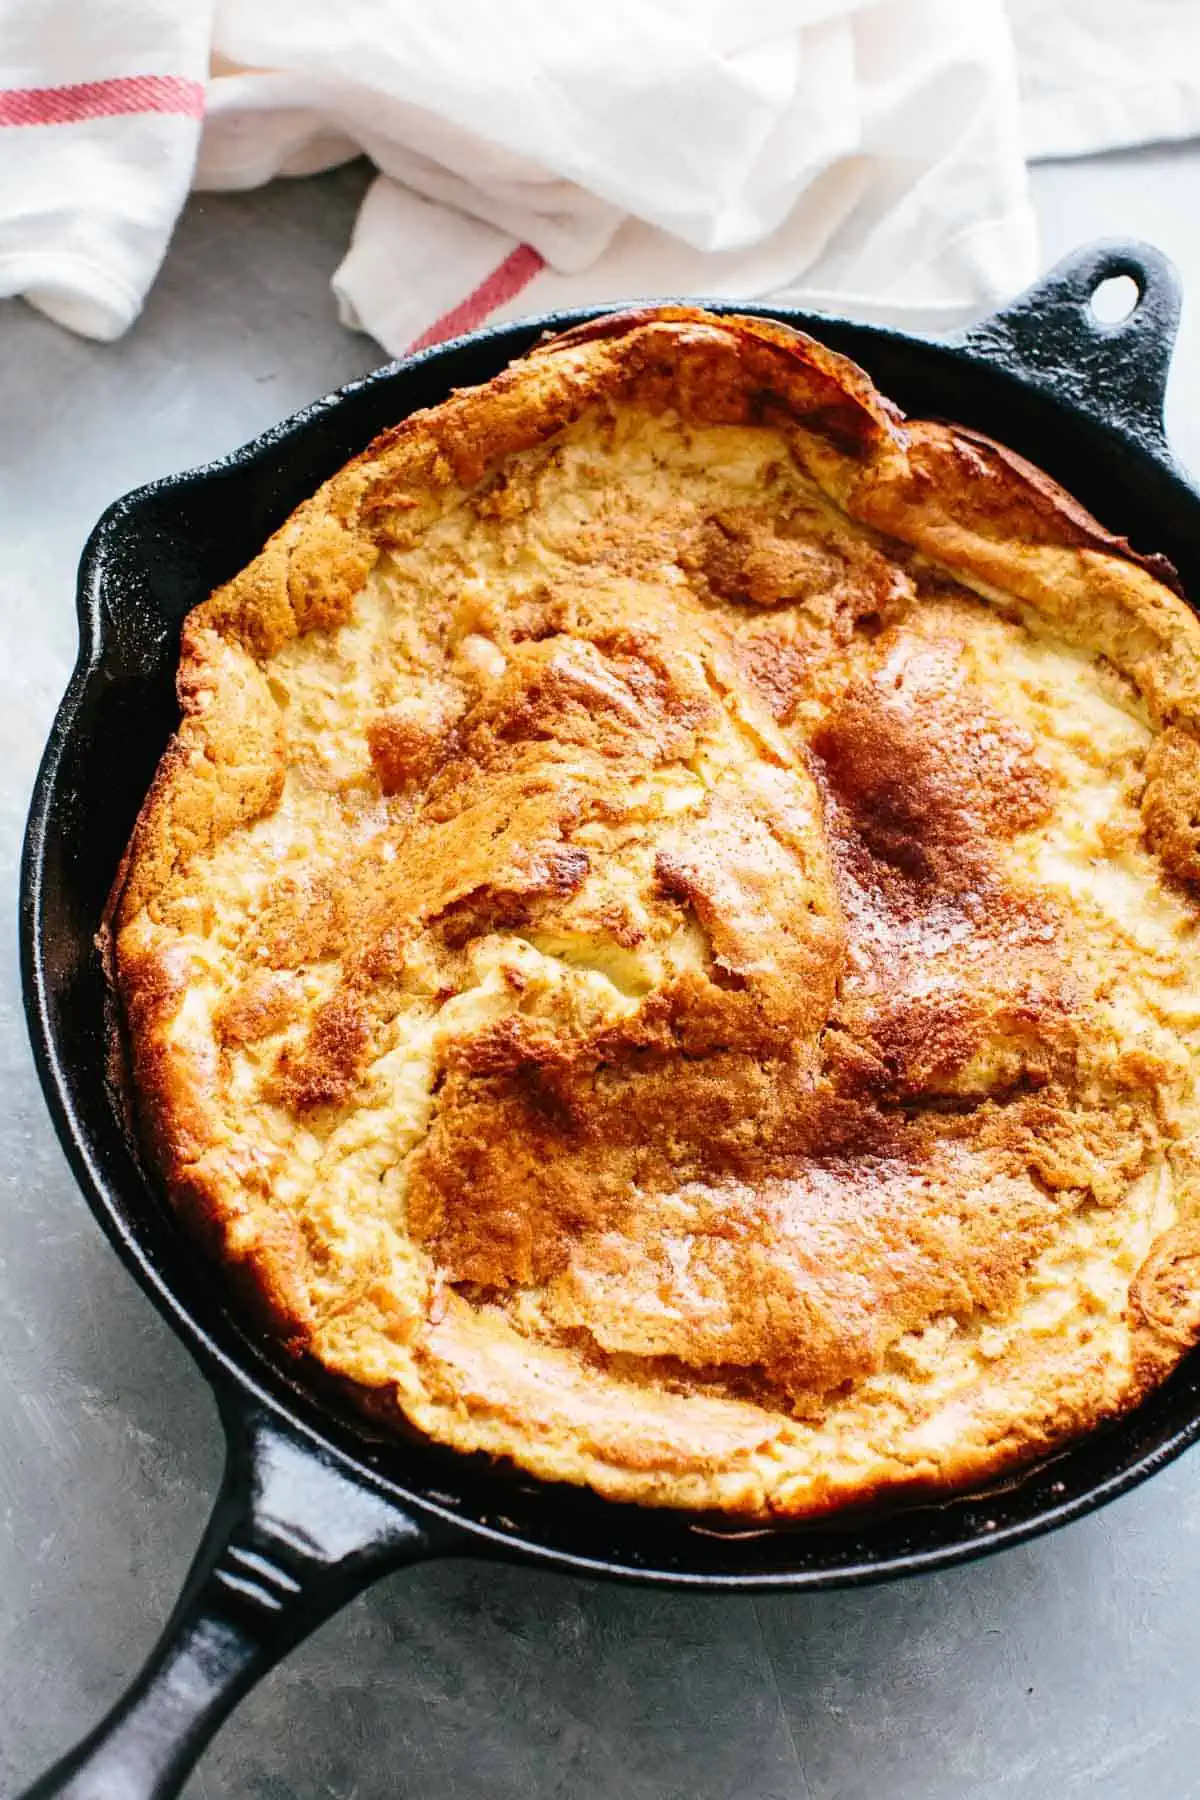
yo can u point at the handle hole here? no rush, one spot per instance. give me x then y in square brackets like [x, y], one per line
[1114, 299]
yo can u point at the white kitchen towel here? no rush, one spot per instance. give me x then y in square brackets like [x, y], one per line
[867, 159]
[1106, 74]
[861, 155]
[100, 116]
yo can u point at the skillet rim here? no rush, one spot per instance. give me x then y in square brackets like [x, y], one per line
[234, 1371]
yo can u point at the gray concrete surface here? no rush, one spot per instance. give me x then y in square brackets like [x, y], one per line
[1068, 1667]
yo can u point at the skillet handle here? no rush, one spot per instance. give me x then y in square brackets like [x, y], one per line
[290, 1540]
[1050, 337]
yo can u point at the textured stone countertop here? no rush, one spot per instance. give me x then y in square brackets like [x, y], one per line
[1068, 1667]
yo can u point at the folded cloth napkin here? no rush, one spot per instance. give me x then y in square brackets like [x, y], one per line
[100, 115]
[1106, 74]
[858, 155]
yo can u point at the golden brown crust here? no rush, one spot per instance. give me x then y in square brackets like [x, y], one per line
[1171, 802]
[661, 946]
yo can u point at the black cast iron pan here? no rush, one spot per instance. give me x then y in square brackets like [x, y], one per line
[312, 1508]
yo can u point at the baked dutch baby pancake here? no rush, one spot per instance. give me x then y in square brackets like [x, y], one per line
[664, 947]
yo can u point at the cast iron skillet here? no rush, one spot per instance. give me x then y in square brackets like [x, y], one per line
[312, 1508]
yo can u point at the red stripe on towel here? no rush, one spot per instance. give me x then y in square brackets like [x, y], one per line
[502, 285]
[102, 100]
